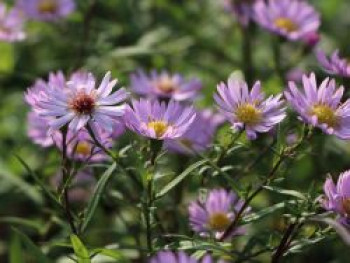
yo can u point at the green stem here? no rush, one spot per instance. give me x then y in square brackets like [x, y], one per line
[276, 48]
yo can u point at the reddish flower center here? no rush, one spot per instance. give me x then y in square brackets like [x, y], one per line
[286, 24]
[219, 221]
[47, 6]
[166, 85]
[83, 103]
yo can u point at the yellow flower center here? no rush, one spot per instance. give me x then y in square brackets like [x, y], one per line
[325, 114]
[166, 85]
[219, 222]
[248, 114]
[83, 148]
[47, 6]
[159, 127]
[286, 24]
[346, 206]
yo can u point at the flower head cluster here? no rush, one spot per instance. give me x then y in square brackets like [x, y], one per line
[46, 10]
[164, 86]
[200, 135]
[337, 197]
[79, 103]
[159, 120]
[213, 216]
[335, 64]
[321, 107]
[249, 110]
[11, 24]
[292, 19]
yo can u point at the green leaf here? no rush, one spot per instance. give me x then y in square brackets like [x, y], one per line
[7, 61]
[112, 253]
[93, 202]
[251, 217]
[21, 221]
[80, 250]
[292, 193]
[15, 250]
[38, 181]
[180, 178]
[32, 248]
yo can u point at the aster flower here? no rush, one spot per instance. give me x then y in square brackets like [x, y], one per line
[11, 25]
[213, 216]
[38, 130]
[337, 197]
[199, 136]
[81, 104]
[81, 147]
[335, 64]
[46, 10]
[178, 257]
[164, 85]
[292, 19]
[158, 120]
[249, 110]
[242, 9]
[321, 107]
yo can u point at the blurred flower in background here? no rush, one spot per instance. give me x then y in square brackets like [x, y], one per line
[11, 24]
[292, 19]
[178, 257]
[249, 111]
[321, 106]
[335, 64]
[213, 216]
[337, 197]
[164, 85]
[241, 9]
[199, 137]
[46, 10]
[159, 120]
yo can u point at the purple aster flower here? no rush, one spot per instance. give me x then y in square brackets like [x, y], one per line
[199, 136]
[178, 257]
[337, 197]
[321, 107]
[46, 10]
[159, 120]
[80, 145]
[38, 130]
[335, 64]
[242, 9]
[164, 85]
[11, 24]
[213, 216]
[249, 110]
[80, 103]
[293, 19]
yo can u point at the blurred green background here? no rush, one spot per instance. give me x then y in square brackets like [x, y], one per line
[193, 37]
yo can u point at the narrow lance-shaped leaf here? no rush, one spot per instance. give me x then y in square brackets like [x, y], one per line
[94, 200]
[80, 250]
[32, 248]
[180, 178]
[38, 181]
[15, 250]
